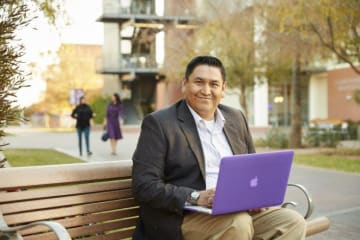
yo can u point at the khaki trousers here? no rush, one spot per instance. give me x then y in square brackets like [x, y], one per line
[273, 223]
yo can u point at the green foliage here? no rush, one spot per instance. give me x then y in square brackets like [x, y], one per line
[357, 95]
[99, 106]
[51, 9]
[275, 138]
[353, 128]
[320, 137]
[336, 25]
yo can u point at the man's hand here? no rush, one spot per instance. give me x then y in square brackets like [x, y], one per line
[256, 211]
[206, 198]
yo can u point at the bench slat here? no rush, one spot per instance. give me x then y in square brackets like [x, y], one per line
[114, 236]
[63, 190]
[63, 174]
[26, 217]
[87, 230]
[86, 219]
[35, 205]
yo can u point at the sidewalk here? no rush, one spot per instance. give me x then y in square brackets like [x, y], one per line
[67, 142]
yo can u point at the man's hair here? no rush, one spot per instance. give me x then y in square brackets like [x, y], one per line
[204, 60]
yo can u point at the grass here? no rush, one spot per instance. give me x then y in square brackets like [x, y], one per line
[337, 159]
[30, 157]
[347, 163]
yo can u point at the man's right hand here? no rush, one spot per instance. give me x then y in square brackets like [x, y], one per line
[206, 198]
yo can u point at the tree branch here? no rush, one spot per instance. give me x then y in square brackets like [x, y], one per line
[331, 46]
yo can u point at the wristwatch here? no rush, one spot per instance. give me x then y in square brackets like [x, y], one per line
[194, 197]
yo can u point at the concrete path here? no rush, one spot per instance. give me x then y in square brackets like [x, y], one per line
[336, 194]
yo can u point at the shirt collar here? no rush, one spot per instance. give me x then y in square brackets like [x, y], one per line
[219, 118]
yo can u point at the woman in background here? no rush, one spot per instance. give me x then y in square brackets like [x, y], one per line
[113, 116]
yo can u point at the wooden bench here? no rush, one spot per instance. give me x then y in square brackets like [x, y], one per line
[74, 201]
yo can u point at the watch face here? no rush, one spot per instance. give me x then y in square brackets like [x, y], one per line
[195, 195]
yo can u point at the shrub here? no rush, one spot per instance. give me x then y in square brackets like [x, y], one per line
[323, 137]
[99, 105]
[275, 138]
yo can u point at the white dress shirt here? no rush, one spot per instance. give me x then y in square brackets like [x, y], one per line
[214, 144]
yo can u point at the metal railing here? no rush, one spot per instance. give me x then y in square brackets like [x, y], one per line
[133, 62]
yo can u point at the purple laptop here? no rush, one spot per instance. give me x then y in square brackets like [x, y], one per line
[250, 181]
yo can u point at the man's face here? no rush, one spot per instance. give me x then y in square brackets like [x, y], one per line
[204, 90]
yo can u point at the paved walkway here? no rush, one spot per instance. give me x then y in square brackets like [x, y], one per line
[336, 194]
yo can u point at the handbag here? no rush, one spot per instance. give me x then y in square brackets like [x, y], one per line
[105, 136]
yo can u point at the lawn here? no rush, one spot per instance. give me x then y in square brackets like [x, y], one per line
[30, 157]
[347, 163]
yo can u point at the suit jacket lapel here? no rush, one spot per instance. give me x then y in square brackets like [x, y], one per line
[188, 126]
[230, 130]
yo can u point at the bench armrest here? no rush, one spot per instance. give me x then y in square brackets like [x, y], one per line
[317, 225]
[57, 228]
[310, 204]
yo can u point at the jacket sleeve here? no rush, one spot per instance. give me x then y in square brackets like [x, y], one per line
[74, 113]
[149, 162]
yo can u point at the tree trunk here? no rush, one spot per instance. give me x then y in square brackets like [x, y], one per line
[295, 131]
[242, 99]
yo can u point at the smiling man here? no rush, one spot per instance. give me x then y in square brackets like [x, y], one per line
[176, 162]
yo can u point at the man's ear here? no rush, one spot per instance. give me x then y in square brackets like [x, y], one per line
[183, 82]
[223, 90]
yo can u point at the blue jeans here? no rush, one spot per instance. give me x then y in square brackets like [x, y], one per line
[86, 132]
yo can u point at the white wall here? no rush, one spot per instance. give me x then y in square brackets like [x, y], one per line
[318, 96]
[261, 111]
[231, 98]
[111, 48]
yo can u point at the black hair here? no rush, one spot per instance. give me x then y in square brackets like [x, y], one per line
[81, 98]
[205, 60]
[117, 98]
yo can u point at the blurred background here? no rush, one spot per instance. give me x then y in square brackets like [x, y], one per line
[292, 66]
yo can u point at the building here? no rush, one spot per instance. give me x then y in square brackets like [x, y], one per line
[331, 94]
[135, 34]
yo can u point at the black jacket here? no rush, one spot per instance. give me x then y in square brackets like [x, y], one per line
[82, 113]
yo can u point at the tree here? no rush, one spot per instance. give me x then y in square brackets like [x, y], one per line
[75, 70]
[230, 36]
[287, 26]
[226, 34]
[336, 23]
[13, 16]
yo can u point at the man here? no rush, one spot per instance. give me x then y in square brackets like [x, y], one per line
[176, 162]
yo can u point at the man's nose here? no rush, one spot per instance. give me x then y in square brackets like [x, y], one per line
[206, 89]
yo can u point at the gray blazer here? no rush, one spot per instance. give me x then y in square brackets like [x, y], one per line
[168, 164]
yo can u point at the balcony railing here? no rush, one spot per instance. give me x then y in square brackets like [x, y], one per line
[145, 8]
[138, 61]
[129, 63]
